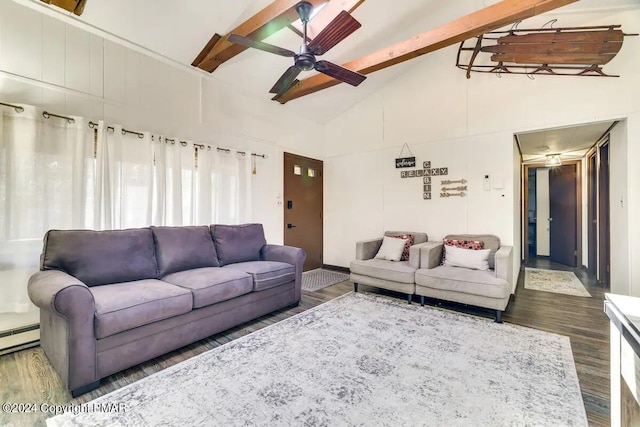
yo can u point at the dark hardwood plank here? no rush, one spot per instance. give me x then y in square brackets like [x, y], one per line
[27, 376]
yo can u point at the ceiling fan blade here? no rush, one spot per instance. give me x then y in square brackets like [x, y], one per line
[285, 81]
[340, 73]
[336, 31]
[245, 41]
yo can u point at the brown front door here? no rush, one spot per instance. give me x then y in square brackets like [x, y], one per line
[563, 199]
[303, 207]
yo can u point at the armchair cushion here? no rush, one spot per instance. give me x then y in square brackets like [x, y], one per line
[392, 248]
[463, 280]
[490, 242]
[399, 271]
[461, 257]
[407, 246]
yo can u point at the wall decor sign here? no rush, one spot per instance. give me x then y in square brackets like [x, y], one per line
[405, 162]
[425, 173]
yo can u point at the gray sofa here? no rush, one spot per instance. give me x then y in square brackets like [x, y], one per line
[112, 299]
[488, 289]
[380, 273]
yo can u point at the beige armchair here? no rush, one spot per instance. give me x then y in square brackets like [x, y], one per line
[392, 275]
[488, 289]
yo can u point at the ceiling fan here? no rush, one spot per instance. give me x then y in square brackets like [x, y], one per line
[336, 31]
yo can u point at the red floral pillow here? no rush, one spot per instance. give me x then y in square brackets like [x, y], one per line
[410, 239]
[464, 244]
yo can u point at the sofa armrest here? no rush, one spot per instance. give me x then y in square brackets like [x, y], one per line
[414, 254]
[67, 312]
[430, 254]
[289, 254]
[504, 264]
[367, 249]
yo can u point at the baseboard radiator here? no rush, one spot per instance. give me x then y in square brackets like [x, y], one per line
[19, 339]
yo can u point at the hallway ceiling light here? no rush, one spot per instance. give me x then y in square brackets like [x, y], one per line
[553, 160]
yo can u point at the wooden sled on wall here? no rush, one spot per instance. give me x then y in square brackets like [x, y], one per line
[571, 51]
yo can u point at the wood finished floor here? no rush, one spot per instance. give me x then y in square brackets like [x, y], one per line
[27, 377]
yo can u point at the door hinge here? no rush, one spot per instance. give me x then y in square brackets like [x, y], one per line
[575, 253]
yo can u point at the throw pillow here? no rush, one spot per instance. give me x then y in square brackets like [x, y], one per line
[391, 248]
[410, 239]
[465, 244]
[461, 257]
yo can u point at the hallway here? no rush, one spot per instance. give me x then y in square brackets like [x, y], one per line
[583, 320]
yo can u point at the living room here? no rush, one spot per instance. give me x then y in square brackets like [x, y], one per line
[128, 65]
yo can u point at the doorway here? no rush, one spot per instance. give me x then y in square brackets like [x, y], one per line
[599, 212]
[303, 196]
[552, 201]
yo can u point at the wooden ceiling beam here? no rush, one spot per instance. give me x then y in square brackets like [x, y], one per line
[269, 20]
[484, 20]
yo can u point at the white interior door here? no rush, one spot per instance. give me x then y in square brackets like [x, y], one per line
[542, 211]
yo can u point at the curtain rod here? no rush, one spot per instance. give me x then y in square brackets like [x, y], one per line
[124, 131]
[18, 108]
[48, 115]
[92, 125]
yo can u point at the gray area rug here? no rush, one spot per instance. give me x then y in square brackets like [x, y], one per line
[319, 278]
[559, 282]
[362, 360]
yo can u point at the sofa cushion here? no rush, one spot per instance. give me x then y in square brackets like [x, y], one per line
[124, 306]
[474, 282]
[407, 246]
[266, 274]
[101, 257]
[392, 248]
[386, 270]
[466, 258]
[183, 248]
[490, 242]
[238, 243]
[212, 284]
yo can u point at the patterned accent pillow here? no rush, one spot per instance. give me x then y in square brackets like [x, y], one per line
[464, 244]
[410, 239]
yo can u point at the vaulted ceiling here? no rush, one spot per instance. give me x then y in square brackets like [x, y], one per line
[180, 29]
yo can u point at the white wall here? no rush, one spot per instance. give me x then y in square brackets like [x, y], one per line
[619, 210]
[633, 184]
[52, 63]
[467, 125]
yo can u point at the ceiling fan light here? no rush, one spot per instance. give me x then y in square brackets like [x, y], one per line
[553, 160]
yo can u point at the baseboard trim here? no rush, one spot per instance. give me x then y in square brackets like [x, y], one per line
[19, 341]
[336, 268]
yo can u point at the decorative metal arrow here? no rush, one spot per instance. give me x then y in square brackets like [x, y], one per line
[460, 194]
[458, 188]
[457, 181]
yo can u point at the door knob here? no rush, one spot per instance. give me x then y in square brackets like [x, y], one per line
[550, 219]
[291, 226]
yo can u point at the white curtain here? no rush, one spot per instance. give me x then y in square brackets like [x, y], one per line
[46, 182]
[223, 187]
[60, 175]
[173, 182]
